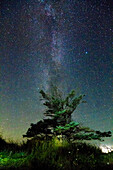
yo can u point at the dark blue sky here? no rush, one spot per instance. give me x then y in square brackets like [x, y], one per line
[67, 42]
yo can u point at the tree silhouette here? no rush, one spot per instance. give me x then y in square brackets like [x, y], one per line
[58, 121]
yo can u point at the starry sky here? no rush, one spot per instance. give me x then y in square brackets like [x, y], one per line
[67, 42]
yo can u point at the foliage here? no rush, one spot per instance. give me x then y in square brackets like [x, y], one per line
[58, 155]
[59, 119]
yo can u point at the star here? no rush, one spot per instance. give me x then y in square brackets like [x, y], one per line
[86, 52]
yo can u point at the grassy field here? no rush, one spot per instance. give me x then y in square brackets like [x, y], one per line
[53, 155]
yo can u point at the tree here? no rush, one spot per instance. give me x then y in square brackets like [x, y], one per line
[58, 121]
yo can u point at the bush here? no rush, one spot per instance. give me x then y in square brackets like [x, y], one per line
[55, 154]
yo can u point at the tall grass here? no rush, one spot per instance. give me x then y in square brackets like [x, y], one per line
[59, 155]
[54, 154]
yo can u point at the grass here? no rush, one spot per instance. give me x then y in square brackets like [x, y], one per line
[53, 155]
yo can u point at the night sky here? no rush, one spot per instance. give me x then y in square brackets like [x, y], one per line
[67, 42]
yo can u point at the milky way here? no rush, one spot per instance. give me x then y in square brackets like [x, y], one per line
[53, 73]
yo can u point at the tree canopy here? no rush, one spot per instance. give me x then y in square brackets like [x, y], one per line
[58, 121]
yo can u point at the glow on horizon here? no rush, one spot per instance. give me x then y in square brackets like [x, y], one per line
[106, 148]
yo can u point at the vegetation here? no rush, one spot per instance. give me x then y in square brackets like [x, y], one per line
[55, 154]
[57, 141]
[58, 121]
